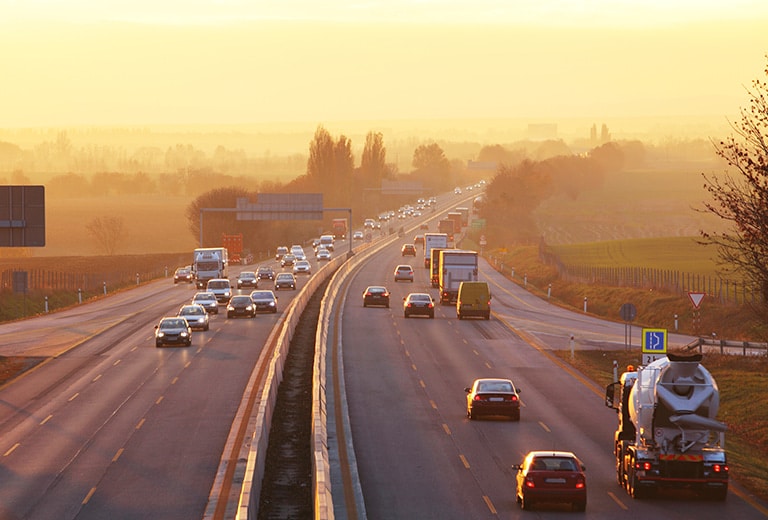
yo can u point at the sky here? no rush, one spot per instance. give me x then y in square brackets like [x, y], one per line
[192, 62]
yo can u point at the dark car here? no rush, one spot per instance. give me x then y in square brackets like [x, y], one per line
[551, 477]
[418, 304]
[196, 316]
[493, 397]
[288, 260]
[265, 272]
[247, 279]
[408, 250]
[376, 295]
[183, 274]
[285, 281]
[207, 300]
[241, 305]
[173, 331]
[264, 301]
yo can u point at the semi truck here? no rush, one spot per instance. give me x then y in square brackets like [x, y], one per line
[456, 266]
[464, 215]
[209, 263]
[234, 245]
[434, 267]
[667, 434]
[457, 218]
[445, 225]
[432, 240]
[339, 226]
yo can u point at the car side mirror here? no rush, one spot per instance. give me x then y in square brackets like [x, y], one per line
[467, 390]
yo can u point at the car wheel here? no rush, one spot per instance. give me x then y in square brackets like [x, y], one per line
[365, 304]
[580, 506]
[432, 316]
[158, 344]
[526, 504]
[405, 315]
[229, 315]
[458, 315]
[206, 327]
[515, 416]
[387, 305]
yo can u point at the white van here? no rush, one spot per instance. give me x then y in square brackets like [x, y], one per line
[221, 288]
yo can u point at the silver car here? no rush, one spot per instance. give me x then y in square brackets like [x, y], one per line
[196, 316]
[207, 300]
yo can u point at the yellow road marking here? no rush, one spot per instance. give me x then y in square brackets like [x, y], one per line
[464, 461]
[73, 397]
[447, 429]
[545, 427]
[117, 455]
[46, 420]
[141, 423]
[13, 448]
[489, 504]
[89, 495]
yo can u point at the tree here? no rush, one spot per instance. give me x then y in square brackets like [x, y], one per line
[373, 163]
[215, 223]
[109, 233]
[741, 197]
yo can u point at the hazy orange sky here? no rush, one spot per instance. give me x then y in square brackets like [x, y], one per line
[141, 62]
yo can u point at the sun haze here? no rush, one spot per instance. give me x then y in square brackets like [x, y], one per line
[89, 62]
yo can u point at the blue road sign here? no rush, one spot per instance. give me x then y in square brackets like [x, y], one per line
[655, 341]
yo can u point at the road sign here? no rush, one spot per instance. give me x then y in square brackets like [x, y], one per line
[654, 344]
[628, 312]
[22, 216]
[696, 298]
[483, 241]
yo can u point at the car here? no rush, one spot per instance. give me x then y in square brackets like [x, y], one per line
[183, 274]
[376, 295]
[493, 397]
[358, 235]
[457, 191]
[285, 281]
[551, 477]
[280, 252]
[247, 279]
[264, 301]
[418, 304]
[173, 331]
[207, 300]
[302, 267]
[326, 241]
[221, 287]
[196, 316]
[288, 260]
[408, 250]
[418, 239]
[241, 305]
[265, 272]
[322, 254]
[298, 250]
[404, 272]
[424, 226]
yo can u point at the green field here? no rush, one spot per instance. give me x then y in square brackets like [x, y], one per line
[684, 254]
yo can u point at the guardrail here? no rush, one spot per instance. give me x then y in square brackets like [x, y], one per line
[746, 347]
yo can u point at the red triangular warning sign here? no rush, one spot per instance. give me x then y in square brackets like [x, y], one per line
[696, 298]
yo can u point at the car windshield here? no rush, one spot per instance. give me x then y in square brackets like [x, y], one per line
[420, 298]
[496, 386]
[247, 275]
[553, 464]
[188, 311]
[284, 276]
[262, 295]
[241, 299]
[203, 297]
[173, 324]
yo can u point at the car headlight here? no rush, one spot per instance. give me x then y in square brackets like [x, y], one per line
[249, 308]
[184, 334]
[230, 308]
[160, 334]
[271, 304]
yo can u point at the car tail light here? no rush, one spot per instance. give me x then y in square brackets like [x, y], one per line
[529, 482]
[720, 468]
[512, 398]
[580, 484]
[643, 466]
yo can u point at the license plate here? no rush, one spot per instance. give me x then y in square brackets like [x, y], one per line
[496, 399]
[554, 480]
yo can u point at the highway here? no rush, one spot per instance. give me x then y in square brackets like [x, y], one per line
[418, 456]
[117, 428]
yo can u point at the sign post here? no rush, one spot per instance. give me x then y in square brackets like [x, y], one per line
[654, 345]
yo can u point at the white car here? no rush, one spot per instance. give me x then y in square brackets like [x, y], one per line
[302, 267]
[357, 235]
[323, 254]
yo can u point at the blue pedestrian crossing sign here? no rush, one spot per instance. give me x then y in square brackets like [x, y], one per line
[654, 344]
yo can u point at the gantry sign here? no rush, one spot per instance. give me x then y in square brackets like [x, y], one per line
[279, 206]
[22, 216]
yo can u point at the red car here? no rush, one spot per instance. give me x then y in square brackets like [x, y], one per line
[551, 477]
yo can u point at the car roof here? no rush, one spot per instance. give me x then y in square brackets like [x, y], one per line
[174, 320]
[204, 294]
[262, 293]
[404, 266]
[543, 453]
[371, 287]
[285, 275]
[190, 306]
[419, 296]
[247, 272]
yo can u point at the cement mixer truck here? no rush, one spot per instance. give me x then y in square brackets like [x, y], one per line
[667, 434]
